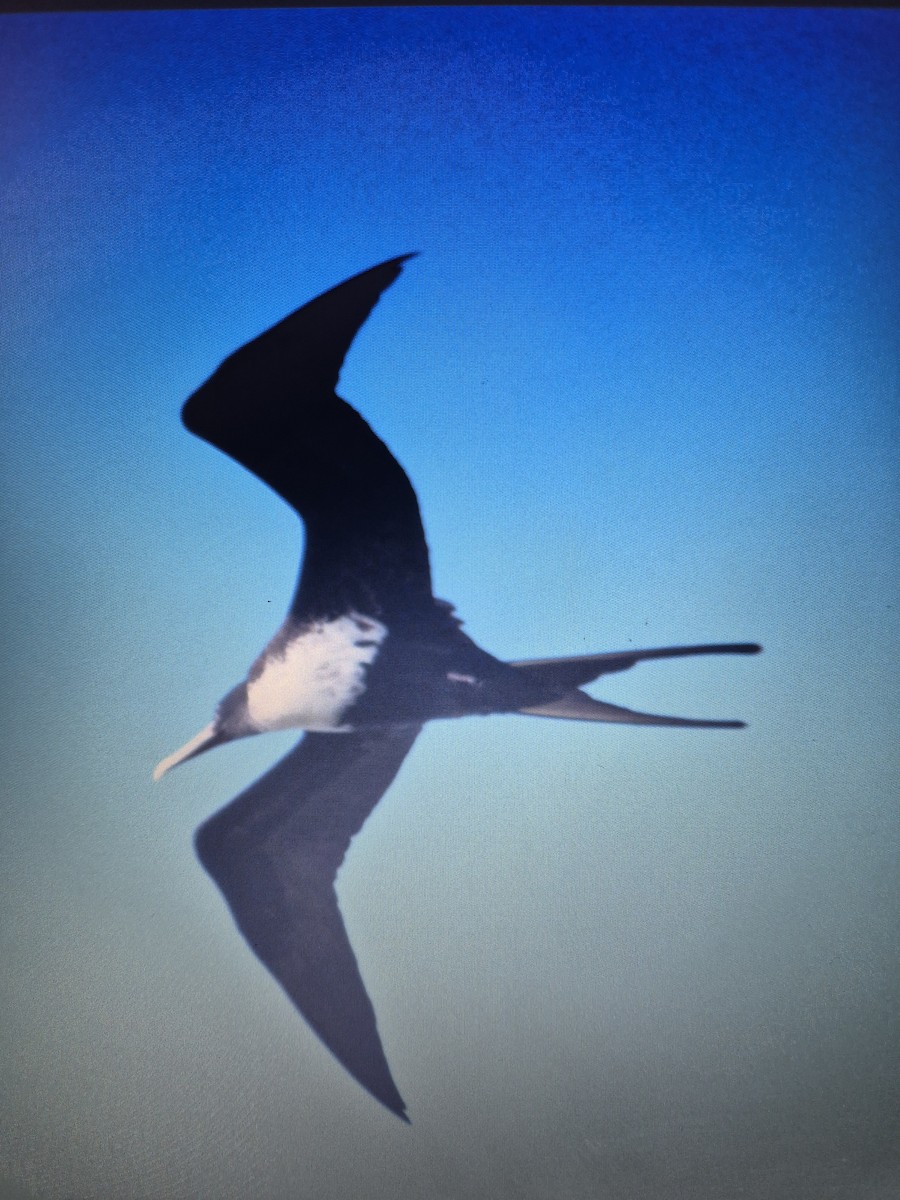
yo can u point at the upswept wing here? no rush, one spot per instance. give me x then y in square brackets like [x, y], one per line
[272, 407]
[274, 852]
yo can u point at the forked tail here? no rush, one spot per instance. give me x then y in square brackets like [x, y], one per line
[576, 705]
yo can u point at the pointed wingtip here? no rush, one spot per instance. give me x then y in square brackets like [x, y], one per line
[386, 272]
[392, 265]
[399, 1109]
[383, 1089]
[307, 347]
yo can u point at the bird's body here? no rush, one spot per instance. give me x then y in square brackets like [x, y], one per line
[310, 676]
[366, 655]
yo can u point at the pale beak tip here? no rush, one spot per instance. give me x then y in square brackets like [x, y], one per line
[204, 740]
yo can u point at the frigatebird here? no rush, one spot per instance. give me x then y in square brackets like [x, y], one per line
[366, 655]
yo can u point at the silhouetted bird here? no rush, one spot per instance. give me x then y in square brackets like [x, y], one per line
[365, 656]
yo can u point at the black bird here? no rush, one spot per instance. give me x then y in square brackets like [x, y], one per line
[365, 656]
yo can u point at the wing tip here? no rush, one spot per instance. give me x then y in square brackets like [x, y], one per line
[395, 264]
[384, 1090]
[358, 294]
[391, 268]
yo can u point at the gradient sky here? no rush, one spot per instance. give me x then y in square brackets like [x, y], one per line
[644, 377]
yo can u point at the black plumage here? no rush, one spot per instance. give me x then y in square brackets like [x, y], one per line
[365, 656]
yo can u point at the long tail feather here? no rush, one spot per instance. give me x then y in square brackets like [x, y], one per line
[579, 706]
[574, 672]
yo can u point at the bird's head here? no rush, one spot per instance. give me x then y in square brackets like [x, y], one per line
[230, 722]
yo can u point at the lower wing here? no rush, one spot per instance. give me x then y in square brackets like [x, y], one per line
[274, 852]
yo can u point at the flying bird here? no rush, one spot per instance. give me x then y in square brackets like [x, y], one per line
[366, 655]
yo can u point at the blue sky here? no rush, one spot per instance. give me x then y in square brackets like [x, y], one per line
[644, 378]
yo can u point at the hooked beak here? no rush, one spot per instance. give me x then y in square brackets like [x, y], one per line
[204, 740]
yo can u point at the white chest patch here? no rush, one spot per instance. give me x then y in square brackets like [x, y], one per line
[310, 681]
